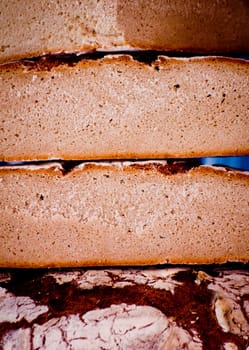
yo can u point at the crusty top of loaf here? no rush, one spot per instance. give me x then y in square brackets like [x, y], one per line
[162, 166]
[155, 61]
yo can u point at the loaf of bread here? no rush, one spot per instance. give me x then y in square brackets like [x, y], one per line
[118, 107]
[131, 309]
[137, 213]
[31, 28]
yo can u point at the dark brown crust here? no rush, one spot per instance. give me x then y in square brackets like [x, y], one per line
[88, 49]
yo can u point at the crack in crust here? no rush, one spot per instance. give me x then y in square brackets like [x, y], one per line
[166, 308]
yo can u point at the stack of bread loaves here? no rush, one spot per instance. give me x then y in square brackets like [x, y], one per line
[106, 107]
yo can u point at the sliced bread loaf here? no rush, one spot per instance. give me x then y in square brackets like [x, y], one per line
[31, 28]
[122, 214]
[118, 107]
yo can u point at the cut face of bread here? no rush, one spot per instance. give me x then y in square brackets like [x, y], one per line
[118, 108]
[31, 28]
[113, 309]
[122, 214]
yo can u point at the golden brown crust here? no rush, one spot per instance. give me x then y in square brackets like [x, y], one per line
[120, 156]
[227, 173]
[134, 262]
[51, 170]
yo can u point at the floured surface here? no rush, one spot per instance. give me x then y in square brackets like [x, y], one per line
[117, 327]
[167, 308]
[116, 278]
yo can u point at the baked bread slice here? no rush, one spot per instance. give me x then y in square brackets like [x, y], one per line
[112, 309]
[122, 214]
[117, 107]
[32, 28]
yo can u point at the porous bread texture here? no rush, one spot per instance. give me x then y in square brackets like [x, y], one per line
[104, 214]
[118, 108]
[31, 28]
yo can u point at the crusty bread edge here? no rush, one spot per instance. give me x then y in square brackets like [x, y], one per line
[112, 156]
[127, 263]
[56, 168]
[60, 62]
